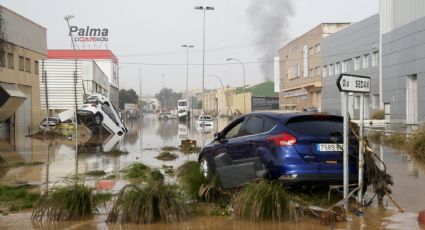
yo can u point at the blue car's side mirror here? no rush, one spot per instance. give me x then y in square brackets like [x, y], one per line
[217, 136]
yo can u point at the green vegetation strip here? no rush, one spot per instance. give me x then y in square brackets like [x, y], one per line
[166, 156]
[169, 148]
[16, 198]
[96, 173]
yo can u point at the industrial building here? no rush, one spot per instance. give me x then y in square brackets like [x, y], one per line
[353, 50]
[23, 45]
[403, 60]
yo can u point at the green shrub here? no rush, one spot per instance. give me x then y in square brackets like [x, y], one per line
[148, 203]
[395, 140]
[375, 136]
[73, 201]
[169, 148]
[378, 115]
[198, 187]
[416, 143]
[96, 173]
[262, 200]
[136, 170]
[166, 156]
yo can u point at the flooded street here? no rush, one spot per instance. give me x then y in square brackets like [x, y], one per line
[143, 143]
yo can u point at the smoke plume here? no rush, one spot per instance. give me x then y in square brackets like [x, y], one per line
[270, 20]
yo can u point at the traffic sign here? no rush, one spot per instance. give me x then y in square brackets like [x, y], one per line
[353, 83]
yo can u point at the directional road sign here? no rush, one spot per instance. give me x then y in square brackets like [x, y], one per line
[353, 83]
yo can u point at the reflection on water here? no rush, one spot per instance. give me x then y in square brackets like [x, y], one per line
[143, 143]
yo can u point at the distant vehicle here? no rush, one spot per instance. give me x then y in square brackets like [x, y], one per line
[166, 116]
[183, 109]
[205, 121]
[293, 148]
[311, 110]
[99, 115]
[53, 121]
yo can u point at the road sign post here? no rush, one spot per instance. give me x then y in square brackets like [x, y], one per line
[348, 83]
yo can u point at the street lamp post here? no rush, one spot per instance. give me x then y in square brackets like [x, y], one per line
[243, 68]
[187, 68]
[67, 18]
[203, 8]
[187, 76]
[225, 92]
[163, 89]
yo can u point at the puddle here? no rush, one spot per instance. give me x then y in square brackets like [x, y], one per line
[143, 143]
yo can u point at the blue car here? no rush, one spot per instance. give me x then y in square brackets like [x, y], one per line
[294, 148]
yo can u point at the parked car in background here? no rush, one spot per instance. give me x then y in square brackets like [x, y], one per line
[52, 122]
[166, 116]
[293, 148]
[311, 110]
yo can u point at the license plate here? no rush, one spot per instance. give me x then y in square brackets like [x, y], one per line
[329, 147]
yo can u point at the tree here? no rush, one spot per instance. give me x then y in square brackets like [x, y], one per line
[167, 98]
[127, 96]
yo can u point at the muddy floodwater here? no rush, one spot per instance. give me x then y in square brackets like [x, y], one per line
[143, 143]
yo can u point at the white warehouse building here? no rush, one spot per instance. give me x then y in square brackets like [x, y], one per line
[97, 72]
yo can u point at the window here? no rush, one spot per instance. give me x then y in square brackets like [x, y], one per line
[21, 63]
[317, 70]
[325, 72]
[346, 66]
[36, 70]
[254, 125]
[10, 61]
[331, 70]
[316, 126]
[375, 58]
[234, 131]
[356, 63]
[28, 65]
[268, 125]
[337, 68]
[2, 59]
[311, 51]
[317, 48]
[310, 72]
[365, 61]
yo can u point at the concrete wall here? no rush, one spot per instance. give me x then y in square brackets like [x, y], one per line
[354, 41]
[23, 32]
[404, 55]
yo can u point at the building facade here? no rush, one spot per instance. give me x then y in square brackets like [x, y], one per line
[231, 101]
[403, 60]
[23, 45]
[301, 68]
[104, 59]
[353, 50]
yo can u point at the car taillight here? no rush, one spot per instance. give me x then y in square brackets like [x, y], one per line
[283, 139]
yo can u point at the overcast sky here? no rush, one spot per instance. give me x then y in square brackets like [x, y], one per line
[148, 34]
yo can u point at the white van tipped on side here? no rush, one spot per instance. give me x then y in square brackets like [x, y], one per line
[99, 115]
